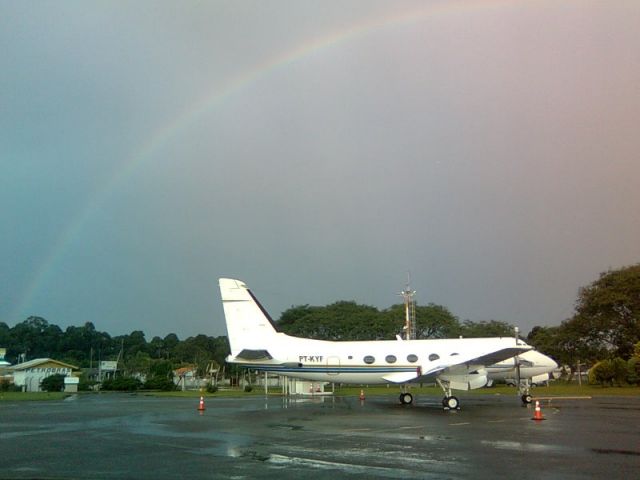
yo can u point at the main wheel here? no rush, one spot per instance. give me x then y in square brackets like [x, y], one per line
[406, 398]
[451, 403]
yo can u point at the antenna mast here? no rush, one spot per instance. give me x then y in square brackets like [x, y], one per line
[409, 311]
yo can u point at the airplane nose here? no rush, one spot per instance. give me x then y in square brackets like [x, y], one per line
[544, 361]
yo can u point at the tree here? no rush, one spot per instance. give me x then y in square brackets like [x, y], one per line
[53, 383]
[343, 320]
[132, 343]
[138, 363]
[5, 335]
[609, 372]
[486, 328]
[436, 321]
[607, 312]
[128, 384]
[545, 340]
[30, 337]
[161, 368]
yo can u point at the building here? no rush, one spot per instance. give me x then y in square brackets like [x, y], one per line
[29, 375]
[5, 375]
[186, 378]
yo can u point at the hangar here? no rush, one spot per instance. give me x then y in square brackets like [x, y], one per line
[28, 375]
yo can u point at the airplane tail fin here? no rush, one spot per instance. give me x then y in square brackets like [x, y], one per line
[249, 326]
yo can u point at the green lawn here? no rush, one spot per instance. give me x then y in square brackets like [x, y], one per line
[26, 396]
[555, 389]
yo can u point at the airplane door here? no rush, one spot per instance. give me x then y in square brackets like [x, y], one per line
[333, 365]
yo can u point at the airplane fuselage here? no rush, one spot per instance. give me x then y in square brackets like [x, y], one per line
[370, 362]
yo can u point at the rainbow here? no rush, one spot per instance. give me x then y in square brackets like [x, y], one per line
[144, 154]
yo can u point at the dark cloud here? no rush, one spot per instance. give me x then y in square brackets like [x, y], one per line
[318, 153]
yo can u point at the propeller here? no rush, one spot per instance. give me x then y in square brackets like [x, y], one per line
[517, 359]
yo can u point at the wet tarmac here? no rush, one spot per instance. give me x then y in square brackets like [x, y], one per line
[112, 436]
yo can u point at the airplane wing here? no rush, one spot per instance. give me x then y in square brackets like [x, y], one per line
[459, 363]
[497, 356]
[456, 361]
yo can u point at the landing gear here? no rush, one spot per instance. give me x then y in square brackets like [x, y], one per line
[524, 390]
[406, 398]
[449, 402]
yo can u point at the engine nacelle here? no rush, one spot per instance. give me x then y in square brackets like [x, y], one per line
[540, 378]
[467, 381]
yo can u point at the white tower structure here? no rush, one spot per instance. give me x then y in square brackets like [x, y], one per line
[409, 328]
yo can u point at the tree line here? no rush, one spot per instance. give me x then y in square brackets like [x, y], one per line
[347, 320]
[605, 327]
[85, 347]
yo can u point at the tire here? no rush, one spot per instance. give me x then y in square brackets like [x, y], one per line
[527, 398]
[452, 403]
[406, 398]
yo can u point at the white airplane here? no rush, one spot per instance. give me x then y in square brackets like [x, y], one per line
[455, 364]
[525, 369]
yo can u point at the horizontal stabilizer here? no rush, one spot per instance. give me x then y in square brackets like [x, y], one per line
[247, 354]
[400, 377]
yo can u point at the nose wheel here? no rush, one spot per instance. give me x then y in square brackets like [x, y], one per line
[524, 388]
[526, 398]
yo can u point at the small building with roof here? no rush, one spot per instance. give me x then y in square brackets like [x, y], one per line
[29, 375]
[186, 378]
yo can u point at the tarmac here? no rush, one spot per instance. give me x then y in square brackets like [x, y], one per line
[115, 436]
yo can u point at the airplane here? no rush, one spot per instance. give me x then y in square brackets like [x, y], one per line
[454, 364]
[525, 369]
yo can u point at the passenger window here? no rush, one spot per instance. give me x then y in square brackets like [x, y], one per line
[412, 358]
[433, 357]
[454, 354]
[369, 359]
[391, 358]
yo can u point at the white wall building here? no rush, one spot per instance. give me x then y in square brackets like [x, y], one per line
[29, 375]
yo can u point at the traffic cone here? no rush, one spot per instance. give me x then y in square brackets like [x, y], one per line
[361, 394]
[201, 406]
[538, 413]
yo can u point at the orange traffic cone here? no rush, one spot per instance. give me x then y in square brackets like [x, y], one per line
[361, 394]
[538, 413]
[201, 406]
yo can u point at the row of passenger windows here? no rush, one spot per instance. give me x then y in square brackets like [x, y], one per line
[369, 359]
